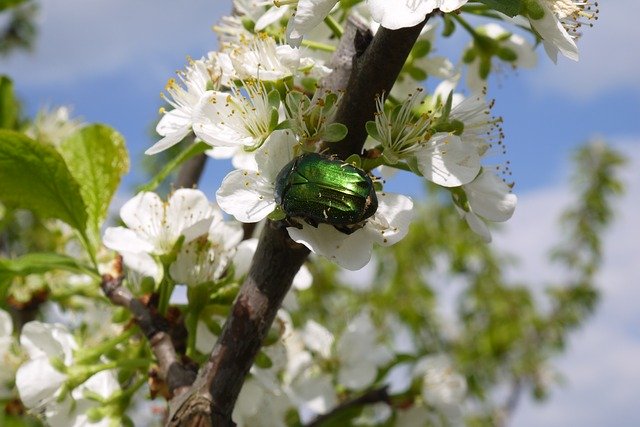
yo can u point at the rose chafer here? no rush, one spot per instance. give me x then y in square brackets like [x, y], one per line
[321, 189]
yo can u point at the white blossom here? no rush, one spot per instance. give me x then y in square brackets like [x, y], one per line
[353, 251]
[442, 386]
[6, 341]
[206, 259]
[176, 124]
[488, 198]
[560, 23]
[154, 226]
[223, 119]
[360, 353]
[248, 195]
[53, 125]
[308, 14]
[395, 14]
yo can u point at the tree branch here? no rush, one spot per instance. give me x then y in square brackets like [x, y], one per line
[275, 263]
[191, 171]
[376, 67]
[155, 327]
[372, 396]
[211, 399]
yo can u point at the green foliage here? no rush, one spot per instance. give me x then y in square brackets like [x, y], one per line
[9, 106]
[97, 158]
[35, 176]
[18, 30]
[508, 7]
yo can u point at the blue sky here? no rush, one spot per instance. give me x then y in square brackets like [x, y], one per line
[111, 59]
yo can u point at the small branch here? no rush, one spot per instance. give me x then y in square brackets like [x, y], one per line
[275, 263]
[191, 171]
[211, 399]
[372, 396]
[177, 377]
[376, 67]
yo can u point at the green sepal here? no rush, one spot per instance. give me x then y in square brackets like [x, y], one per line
[334, 132]
[421, 48]
[372, 130]
[507, 54]
[533, 9]
[449, 26]
[510, 8]
[277, 215]
[355, 160]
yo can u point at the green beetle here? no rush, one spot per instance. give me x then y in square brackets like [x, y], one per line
[321, 189]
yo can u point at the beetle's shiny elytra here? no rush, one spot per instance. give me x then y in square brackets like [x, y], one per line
[319, 189]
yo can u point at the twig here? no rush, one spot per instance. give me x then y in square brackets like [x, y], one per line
[372, 396]
[376, 67]
[155, 327]
[219, 381]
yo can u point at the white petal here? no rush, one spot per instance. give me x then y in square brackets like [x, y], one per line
[400, 14]
[303, 279]
[390, 223]
[309, 13]
[317, 338]
[189, 213]
[211, 121]
[478, 226]
[452, 163]
[246, 195]
[6, 325]
[143, 214]
[143, 264]
[357, 376]
[351, 251]
[104, 383]
[47, 340]
[551, 30]
[37, 382]
[244, 255]
[278, 150]
[174, 126]
[122, 239]
[490, 197]
[272, 15]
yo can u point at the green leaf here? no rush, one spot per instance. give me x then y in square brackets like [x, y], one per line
[34, 176]
[8, 104]
[508, 7]
[191, 151]
[6, 4]
[38, 263]
[334, 132]
[97, 158]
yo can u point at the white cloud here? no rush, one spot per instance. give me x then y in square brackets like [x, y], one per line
[601, 366]
[608, 56]
[84, 38]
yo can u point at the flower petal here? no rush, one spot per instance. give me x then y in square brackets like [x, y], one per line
[246, 195]
[490, 197]
[188, 213]
[390, 224]
[351, 251]
[122, 239]
[451, 164]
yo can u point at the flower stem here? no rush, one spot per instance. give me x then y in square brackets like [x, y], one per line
[334, 26]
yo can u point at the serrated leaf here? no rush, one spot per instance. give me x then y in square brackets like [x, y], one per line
[508, 7]
[334, 132]
[8, 104]
[35, 176]
[97, 158]
[38, 263]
